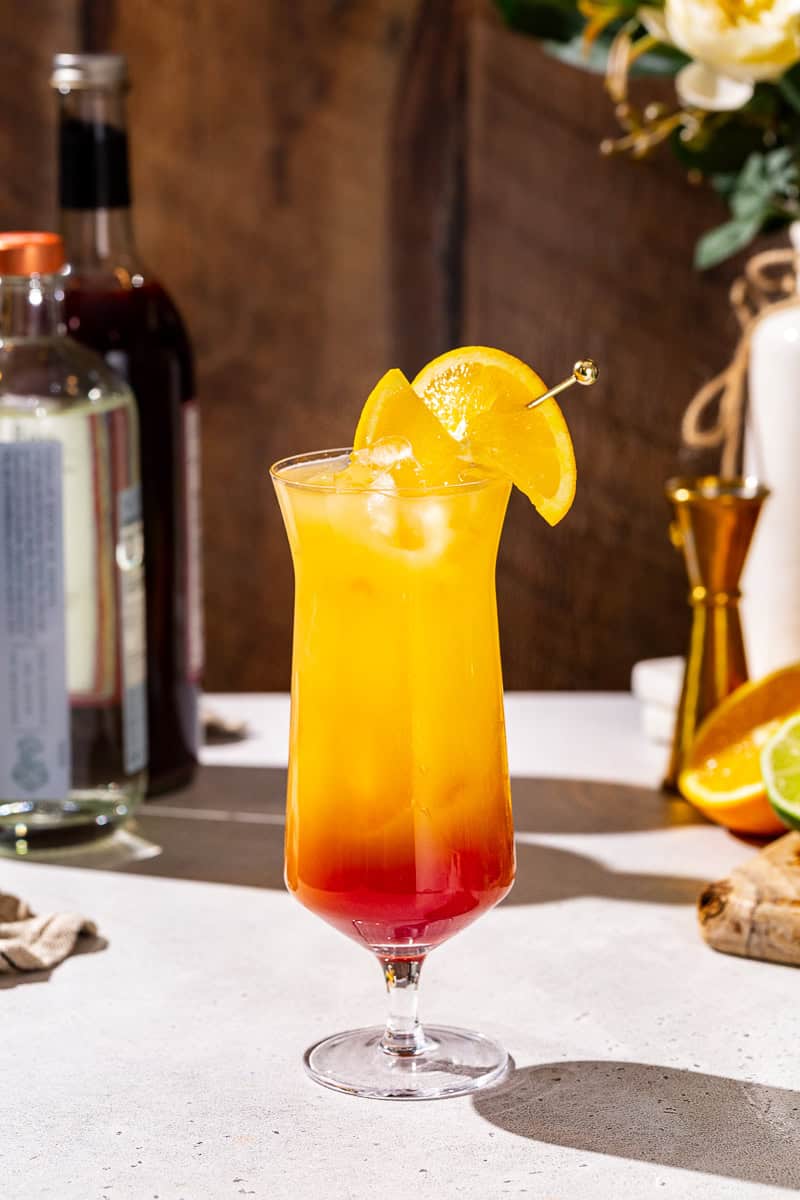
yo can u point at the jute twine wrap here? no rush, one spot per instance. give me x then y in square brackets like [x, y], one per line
[765, 287]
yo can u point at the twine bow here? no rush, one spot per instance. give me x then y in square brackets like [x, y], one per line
[765, 285]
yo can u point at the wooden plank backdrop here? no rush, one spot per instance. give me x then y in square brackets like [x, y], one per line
[333, 187]
[567, 255]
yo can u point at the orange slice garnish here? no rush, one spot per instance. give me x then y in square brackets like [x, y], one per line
[480, 395]
[393, 409]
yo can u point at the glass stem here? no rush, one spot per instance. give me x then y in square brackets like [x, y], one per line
[403, 1034]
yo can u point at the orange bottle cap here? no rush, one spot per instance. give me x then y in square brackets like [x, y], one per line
[31, 253]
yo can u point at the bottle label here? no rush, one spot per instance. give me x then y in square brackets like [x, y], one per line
[89, 562]
[34, 704]
[130, 560]
[194, 540]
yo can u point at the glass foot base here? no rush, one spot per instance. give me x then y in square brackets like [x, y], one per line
[452, 1063]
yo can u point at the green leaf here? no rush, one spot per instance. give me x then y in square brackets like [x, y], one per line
[720, 243]
[574, 54]
[779, 162]
[781, 167]
[763, 179]
[748, 201]
[756, 196]
[725, 183]
[762, 192]
[661, 61]
[753, 173]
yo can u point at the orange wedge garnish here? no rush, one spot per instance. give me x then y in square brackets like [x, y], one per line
[480, 395]
[393, 409]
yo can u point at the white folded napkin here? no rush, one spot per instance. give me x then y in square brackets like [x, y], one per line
[31, 943]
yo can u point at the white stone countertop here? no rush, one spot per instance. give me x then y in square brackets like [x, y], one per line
[167, 1066]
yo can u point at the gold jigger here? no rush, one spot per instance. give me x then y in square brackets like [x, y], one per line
[713, 526]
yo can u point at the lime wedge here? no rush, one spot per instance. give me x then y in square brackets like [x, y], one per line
[780, 768]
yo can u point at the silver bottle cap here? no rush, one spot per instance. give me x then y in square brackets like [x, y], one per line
[75, 71]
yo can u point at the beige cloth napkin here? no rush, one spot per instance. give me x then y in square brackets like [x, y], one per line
[30, 943]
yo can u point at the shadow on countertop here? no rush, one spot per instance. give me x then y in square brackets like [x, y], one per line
[576, 806]
[587, 806]
[229, 828]
[664, 1115]
[86, 944]
[549, 873]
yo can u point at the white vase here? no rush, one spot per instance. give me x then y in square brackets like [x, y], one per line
[771, 578]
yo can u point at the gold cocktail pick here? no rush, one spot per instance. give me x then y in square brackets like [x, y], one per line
[585, 372]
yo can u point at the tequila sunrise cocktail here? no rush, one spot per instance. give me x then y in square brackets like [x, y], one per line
[399, 829]
[399, 813]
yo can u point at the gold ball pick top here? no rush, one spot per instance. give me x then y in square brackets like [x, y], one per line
[585, 372]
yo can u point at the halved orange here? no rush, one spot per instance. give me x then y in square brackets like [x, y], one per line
[722, 776]
[480, 396]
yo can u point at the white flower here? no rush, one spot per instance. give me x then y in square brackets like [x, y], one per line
[735, 43]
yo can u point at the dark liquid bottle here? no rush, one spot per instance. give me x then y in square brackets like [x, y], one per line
[115, 305]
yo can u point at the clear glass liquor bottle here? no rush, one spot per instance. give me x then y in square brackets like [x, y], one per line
[73, 733]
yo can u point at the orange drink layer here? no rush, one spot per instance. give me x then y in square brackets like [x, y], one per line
[399, 829]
